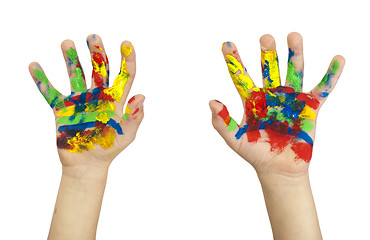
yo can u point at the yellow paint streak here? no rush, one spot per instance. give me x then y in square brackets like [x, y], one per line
[67, 112]
[116, 91]
[242, 82]
[127, 110]
[90, 107]
[100, 69]
[307, 112]
[126, 50]
[271, 58]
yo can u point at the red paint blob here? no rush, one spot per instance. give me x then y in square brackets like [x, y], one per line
[253, 136]
[224, 114]
[303, 151]
[310, 100]
[136, 111]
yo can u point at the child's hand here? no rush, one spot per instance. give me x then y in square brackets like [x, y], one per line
[91, 125]
[277, 132]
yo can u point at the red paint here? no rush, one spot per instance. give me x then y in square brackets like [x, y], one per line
[253, 136]
[224, 114]
[310, 100]
[131, 99]
[234, 51]
[278, 141]
[303, 151]
[136, 111]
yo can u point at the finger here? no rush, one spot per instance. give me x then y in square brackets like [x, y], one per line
[100, 73]
[237, 70]
[75, 72]
[123, 82]
[133, 116]
[223, 123]
[54, 98]
[327, 84]
[269, 62]
[294, 77]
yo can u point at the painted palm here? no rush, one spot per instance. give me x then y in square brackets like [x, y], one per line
[88, 118]
[282, 116]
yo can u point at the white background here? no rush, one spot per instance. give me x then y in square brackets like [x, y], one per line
[179, 180]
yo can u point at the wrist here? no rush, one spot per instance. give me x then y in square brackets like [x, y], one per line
[86, 173]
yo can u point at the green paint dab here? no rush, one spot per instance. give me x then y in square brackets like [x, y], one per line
[334, 67]
[293, 77]
[232, 125]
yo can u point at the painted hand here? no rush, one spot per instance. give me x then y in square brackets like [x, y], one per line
[278, 127]
[90, 122]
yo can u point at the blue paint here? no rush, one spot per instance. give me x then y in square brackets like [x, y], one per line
[115, 125]
[80, 126]
[228, 44]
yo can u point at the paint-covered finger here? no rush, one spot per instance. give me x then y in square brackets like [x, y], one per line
[225, 125]
[134, 114]
[269, 62]
[75, 72]
[237, 70]
[123, 82]
[294, 77]
[100, 73]
[327, 84]
[54, 98]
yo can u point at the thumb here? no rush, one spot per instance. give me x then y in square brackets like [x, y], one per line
[223, 123]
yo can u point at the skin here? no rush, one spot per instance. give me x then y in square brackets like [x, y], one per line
[283, 175]
[85, 173]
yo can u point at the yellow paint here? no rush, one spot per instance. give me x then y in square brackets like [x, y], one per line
[79, 144]
[106, 140]
[307, 112]
[271, 58]
[242, 82]
[116, 91]
[103, 138]
[103, 117]
[127, 110]
[100, 69]
[126, 50]
[67, 112]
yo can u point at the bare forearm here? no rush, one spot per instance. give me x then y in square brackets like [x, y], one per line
[78, 204]
[291, 207]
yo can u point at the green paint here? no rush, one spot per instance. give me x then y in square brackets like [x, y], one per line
[306, 125]
[334, 67]
[295, 80]
[72, 54]
[51, 95]
[278, 115]
[77, 83]
[232, 125]
[324, 81]
[83, 118]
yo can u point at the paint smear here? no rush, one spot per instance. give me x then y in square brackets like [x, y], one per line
[270, 69]
[294, 78]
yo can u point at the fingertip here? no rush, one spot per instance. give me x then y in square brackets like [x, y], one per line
[93, 37]
[341, 60]
[215, 106]
[267, 42]
[295, 40]
[127, 50]
[67, 44]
